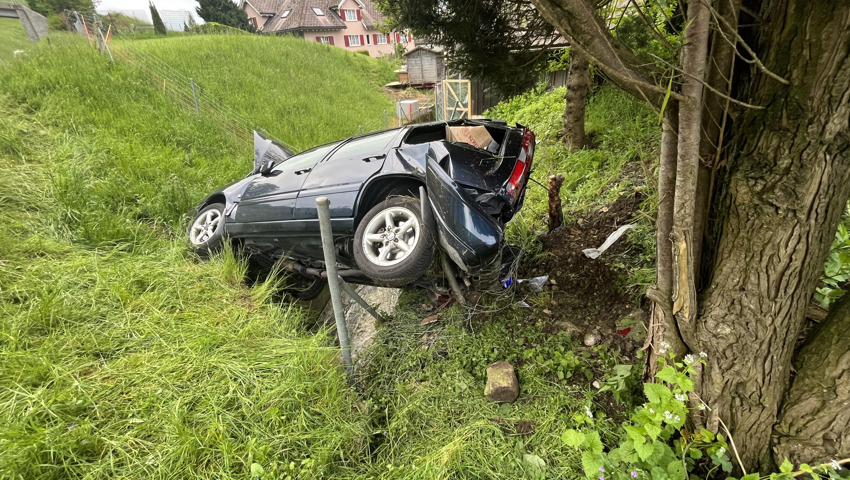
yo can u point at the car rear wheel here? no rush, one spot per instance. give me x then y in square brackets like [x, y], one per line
[392, 245]
[207, 230]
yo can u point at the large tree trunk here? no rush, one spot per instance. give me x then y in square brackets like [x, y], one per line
[788, 181]
[578, 81]
[814, 425]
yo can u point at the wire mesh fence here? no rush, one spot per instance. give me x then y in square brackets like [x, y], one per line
[191, 95]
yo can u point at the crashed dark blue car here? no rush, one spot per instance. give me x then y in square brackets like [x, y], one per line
[395, 196]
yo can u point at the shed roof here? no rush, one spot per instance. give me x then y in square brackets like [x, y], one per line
[426, 48]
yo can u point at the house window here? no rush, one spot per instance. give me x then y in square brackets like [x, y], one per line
[325, 40]
[353, 40]
[381, 39]
[368, 40]
[318, 11]
[285, 14]
[350, 15]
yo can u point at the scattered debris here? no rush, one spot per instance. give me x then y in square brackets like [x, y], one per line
[522, 304]
[429, 320]
[536, 284]
[596, 252]
[502, 384]
[596, 384]
[547, 311]
[624, 331]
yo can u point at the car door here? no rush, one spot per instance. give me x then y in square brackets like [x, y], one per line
[270, 199]
[341, 175]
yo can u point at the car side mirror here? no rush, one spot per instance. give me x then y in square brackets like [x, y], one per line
[266, 167]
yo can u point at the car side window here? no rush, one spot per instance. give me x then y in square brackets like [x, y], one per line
[366, 146]
[303, 160]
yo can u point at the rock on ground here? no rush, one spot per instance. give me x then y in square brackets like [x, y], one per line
[362, 327]
[502, 385]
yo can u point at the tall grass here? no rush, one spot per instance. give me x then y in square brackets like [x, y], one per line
[14, 38]
[122, 356]
[625, 137]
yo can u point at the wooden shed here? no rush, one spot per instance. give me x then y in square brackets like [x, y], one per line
[425, 65]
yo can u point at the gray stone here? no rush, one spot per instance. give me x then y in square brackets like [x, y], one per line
[502, 384]
[592, 338]
[362, 327]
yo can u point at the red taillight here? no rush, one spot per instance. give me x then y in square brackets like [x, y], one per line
[517, 178]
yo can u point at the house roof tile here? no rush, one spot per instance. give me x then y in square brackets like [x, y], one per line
[302, 17]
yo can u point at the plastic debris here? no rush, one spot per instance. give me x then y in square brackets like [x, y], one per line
[596, 252]
[522, 304]
[536, 284]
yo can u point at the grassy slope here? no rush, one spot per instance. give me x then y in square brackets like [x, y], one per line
[303, 96]
[624, 131]
[120, 355]
[14, 38]
[128, 359]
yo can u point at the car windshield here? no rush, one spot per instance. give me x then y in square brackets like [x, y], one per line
[305, 159]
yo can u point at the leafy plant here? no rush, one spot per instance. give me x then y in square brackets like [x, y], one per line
[836, 272]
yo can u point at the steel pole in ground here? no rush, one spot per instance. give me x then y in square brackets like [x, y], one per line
[357, 298]
[324, 207]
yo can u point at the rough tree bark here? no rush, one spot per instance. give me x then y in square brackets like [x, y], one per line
[815, 421]
[788, 181]
[578, 81]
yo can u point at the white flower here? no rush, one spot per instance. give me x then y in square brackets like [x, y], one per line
[701, 406]
[676, 418]
[721, 450]
[665, 345]
[588, 412]
[651, 411]
[703, 354]
[668, 415]
[680, 397]
[835, 465]
[689, 359]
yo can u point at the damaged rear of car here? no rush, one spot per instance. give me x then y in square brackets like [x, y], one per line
[395, 195]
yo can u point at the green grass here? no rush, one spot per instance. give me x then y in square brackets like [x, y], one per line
[302, 93]
[12, 37]
[121, 355]
[623, 159]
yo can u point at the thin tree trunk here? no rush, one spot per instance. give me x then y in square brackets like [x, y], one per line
[788, 181]
[663, 333]
[814, 425]
[719, 74]
[694, 55]
[578, 81]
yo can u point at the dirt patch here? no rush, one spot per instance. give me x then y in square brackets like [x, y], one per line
[587, 296]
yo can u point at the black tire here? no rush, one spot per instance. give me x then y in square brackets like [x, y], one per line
[399, 267]
[306, 288]
[206, 239]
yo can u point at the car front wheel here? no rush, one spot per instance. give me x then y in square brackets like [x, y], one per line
[392, 245]
[207, 230]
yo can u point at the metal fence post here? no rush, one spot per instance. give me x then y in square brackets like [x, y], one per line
[324, 208]
[361, 129]
[386, 122]
[195, 94]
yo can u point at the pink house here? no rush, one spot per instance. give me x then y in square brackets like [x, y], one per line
[350, 24]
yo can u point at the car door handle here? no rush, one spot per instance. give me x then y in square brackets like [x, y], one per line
[372, 159]
[301, 172]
